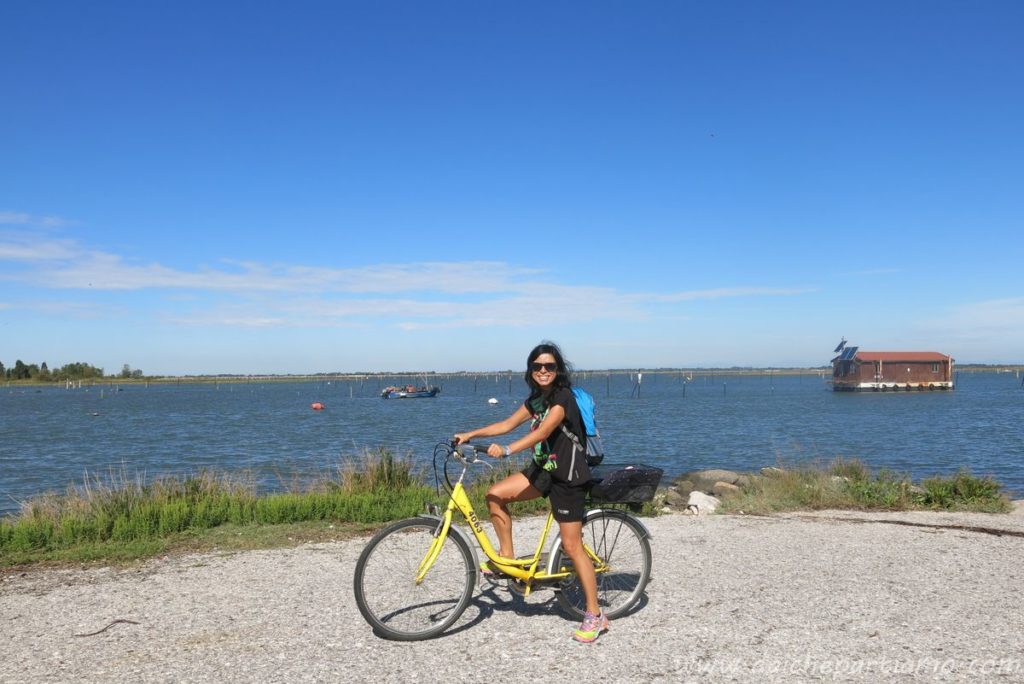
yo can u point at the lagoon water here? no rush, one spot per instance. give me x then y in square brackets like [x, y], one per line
[51, 437]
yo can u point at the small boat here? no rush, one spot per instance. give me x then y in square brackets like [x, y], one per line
[410, 392]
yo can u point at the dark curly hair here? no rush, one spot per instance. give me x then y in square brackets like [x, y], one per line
[562, 379]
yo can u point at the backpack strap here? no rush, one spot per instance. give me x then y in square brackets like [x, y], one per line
[570, 435]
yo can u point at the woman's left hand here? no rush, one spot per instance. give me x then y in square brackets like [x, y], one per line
[496, 451]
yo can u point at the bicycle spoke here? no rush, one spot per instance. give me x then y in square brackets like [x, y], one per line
[619, 543]
[388, 594]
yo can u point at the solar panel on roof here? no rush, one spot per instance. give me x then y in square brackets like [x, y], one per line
[848, 354]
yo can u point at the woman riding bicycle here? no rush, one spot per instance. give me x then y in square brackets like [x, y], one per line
[558, 469]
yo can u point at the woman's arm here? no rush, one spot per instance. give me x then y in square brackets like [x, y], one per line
[500, 428]
[556, 414]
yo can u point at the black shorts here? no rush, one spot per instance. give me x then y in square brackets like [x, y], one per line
[568, 503]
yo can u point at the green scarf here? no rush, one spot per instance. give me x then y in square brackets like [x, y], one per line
[541, 457]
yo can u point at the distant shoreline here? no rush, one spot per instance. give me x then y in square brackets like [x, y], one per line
[435, 375]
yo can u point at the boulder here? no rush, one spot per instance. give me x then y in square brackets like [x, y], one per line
[700, 503]
[677, 499]
[771, 471]
[704, 480]
[681, 480]
[722, 489]
[684, 487]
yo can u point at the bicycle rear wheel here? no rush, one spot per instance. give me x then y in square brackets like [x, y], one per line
[621, 542]
[385, 587]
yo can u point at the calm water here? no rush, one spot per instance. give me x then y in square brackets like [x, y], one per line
[50, 437]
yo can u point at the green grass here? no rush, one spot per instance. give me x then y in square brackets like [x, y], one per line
[120, 518]
[849, 484]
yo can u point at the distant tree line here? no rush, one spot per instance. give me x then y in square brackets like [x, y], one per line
[71, 371]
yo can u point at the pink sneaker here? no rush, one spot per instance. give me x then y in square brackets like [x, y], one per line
[591, 628]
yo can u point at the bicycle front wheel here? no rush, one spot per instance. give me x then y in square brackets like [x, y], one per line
[388, 596]
[621, 542]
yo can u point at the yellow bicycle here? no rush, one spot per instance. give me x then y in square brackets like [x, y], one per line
[415, 577]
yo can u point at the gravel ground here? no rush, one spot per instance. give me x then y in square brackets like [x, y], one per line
[831, 596]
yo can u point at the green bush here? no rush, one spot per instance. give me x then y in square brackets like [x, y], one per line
[849, 484]
[887, 491]
[850, 469]
[963, 491]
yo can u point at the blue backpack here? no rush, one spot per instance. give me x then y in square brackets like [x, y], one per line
[595, 450]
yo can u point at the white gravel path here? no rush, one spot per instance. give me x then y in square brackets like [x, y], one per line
[810, 597]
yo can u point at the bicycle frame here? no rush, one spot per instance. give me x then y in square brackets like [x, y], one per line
[526, 569]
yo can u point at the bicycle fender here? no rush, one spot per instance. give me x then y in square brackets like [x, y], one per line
[557, 542]
[455, 529]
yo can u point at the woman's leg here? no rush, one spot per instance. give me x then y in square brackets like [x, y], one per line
[515, 487]
[572, 544]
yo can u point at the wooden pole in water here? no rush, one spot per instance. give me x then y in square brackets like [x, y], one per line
[636, 387]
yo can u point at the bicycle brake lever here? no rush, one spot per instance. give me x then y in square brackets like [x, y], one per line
[466, 452]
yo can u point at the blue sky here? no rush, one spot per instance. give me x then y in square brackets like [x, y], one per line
[204, 187]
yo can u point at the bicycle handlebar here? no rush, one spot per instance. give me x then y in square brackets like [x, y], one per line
[467, 454]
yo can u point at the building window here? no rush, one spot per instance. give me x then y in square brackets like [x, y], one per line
[935, 367]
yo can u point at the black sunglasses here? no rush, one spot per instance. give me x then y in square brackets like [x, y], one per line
[538, 367]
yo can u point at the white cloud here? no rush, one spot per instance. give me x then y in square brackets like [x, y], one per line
[14, 218]
[72, 267]
[722, 292]
[410, 296]
[34, 251]
[461, 277]
[988, 319]
[990, 330]
[63, 309]
[874, 272]
[238, 322]
[19, 218]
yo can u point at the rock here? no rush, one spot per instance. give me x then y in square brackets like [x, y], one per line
[681, 480]
[704, 480]
[744, 480]
[771, 471]
[1018, 507]
[700, 503]
[677, 499]
[684, 487]
[723, 489]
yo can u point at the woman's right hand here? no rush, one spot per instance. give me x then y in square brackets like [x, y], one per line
[461, 437]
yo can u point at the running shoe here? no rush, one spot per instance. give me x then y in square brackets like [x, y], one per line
[591, 628]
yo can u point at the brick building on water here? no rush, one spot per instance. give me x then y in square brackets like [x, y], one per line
[887, 371]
